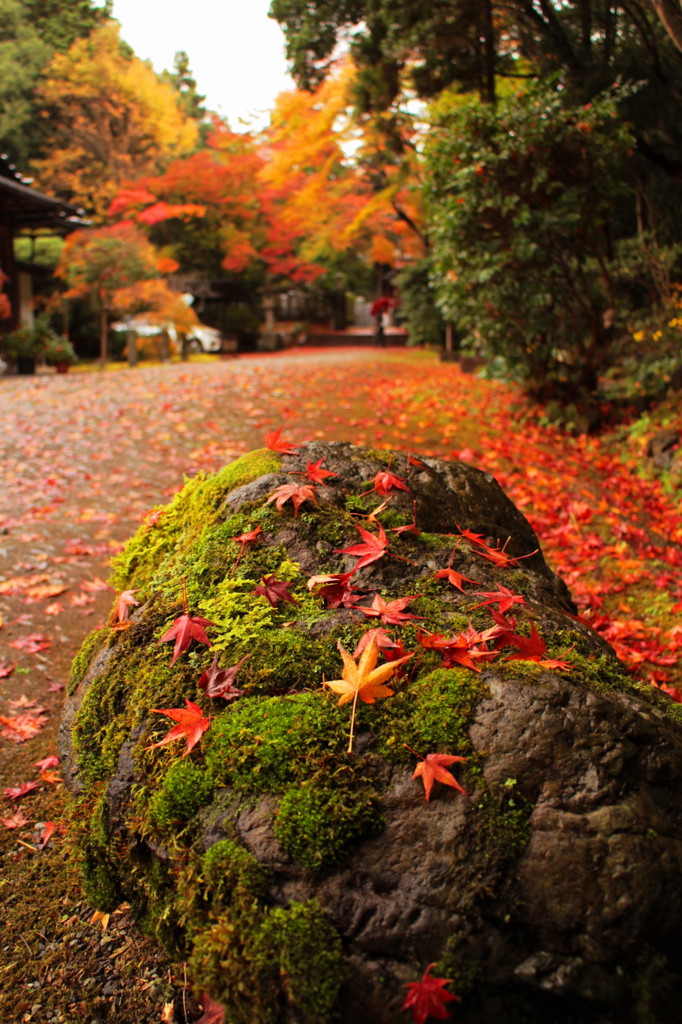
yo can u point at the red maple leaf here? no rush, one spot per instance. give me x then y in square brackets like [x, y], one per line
[465, 649]
[18, 820]
[32, 644]
[427, 998]
[47, 762]
[183, 631]
[432, 769]
[507, 628]
[391, 613]
[244, 539]
[316, 474]
[16, 792]
[297, 493]
[20, 728]
[191, 724]
[453, 577]
[372, 548]
[336, 591]
[407, 528]
[502, 597]
[276, 443]
[213, 1012]
[274, 591]
[124, 602]
[381, 638]
[6, 669]
[530, 648]
[497, 555]
[48, 832]
[385, 482]
[219, 682]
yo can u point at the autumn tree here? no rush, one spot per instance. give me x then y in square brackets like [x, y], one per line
[119, 271]
[110, 119]
[31, 31]
[336, 191]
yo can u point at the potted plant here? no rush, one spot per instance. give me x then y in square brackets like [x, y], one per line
[24, 345]
[59, 352]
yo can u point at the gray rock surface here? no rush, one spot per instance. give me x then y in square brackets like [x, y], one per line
[552, 890]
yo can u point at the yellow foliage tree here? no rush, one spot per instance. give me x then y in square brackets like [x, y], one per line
[333, 184]
[111, 119]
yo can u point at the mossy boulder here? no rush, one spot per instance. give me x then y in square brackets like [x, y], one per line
[306, 883]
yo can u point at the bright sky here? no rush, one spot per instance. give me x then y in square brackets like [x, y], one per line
[236, 52]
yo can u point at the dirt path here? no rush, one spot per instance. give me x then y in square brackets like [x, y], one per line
[83, 457]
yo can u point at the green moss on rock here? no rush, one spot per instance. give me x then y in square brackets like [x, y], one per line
[256, 961]
[184, 519]
[184, 789]
[319, 824]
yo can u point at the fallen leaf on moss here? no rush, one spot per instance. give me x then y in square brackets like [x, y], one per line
[185, 629]
[191, 725]
[274, 591]
[219, 682]
[363, 680]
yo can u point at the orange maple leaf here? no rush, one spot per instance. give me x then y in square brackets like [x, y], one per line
[297, 493]
[432, 769]
[191, 724]
[276, 443]
[363, 680]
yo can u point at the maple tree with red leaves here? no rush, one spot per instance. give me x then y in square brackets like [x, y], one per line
[427, 997]
[191, 725]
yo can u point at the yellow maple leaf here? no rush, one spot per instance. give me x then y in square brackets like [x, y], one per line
[363, 679]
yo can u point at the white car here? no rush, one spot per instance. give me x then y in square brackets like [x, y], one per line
[205, 339]
[201, 338]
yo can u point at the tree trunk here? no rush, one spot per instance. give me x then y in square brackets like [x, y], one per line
[670, 13]
[132, 348]
[103, 336]
[487, 52]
